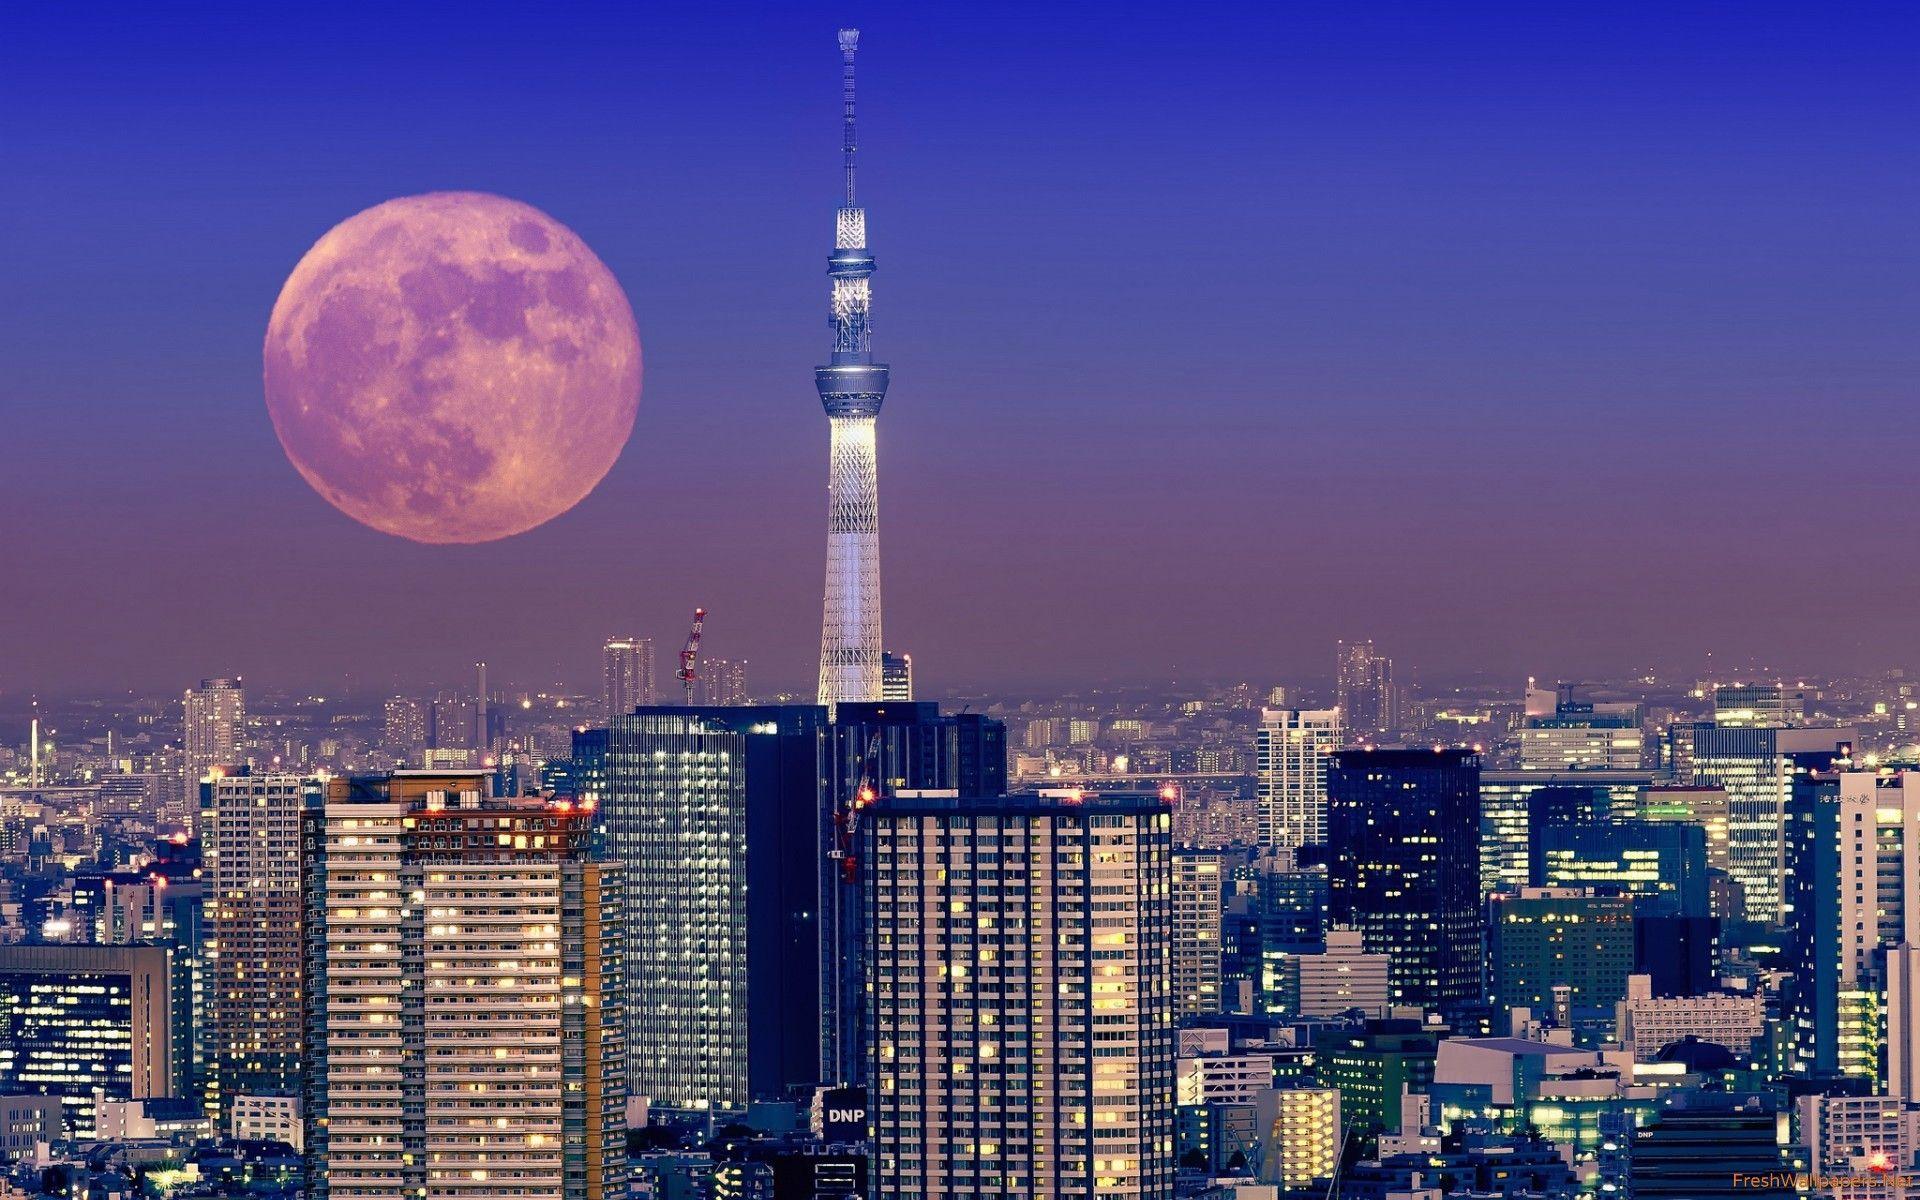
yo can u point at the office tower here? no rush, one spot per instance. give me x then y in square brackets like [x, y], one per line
[85, 1023]
[1403, 834]
[1292, 749]
[1853, 895]
[463, 1022]
[1510, 817]
[1289, 918]
[1678, 954]
[1582, 735]
[1548, 937]
[1757, 704]
[1022, 1039]
[1708, 1144]
[1664, 863]
[215, 728]
[1341, 978]
[405, 726]
[169, 912]
[1367, 699]
[877, 749]
[626, 676]
[250, 846]
[1373, 1066]
[896, 676]
[1752, 765]
[1691, 805]
[852, 387]
[1197, 905]
[715, 813]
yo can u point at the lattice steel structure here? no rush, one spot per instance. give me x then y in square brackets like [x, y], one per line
[852, 387]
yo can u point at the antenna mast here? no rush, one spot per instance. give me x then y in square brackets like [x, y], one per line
[849, 42]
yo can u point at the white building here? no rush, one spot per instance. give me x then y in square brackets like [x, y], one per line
[1645, 1023]
[214, 727]
[1300, 1132]
[266, 1119]
[1343, 976]
[1022, 1008]
[1292, 750]
[1223, 1078]
[1863, 1144]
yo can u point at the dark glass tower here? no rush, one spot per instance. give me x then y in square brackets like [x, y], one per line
[1403, 832]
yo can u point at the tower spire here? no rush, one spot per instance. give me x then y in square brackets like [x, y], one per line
[849, 42]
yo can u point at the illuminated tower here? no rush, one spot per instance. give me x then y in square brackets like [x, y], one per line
[852, 387]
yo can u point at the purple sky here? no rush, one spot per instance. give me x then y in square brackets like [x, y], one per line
[1517, 339]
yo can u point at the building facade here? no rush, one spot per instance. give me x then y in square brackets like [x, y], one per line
[79, 1022]
[1404, 866]
[1021, 1033]
[463, 959]
[1291, 752]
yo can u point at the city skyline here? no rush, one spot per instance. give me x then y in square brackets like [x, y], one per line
[1495, 318]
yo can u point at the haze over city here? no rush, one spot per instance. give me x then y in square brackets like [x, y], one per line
[1519, 339]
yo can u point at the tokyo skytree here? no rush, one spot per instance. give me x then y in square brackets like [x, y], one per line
[852, 387]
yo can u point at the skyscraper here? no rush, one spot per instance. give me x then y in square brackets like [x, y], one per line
[1754, 764]
[715, 814]
[214, 732]
[463, 1014]
[1293, 745]
[1403, 838]
[1022, 1039]
[81, 1022]
[852, 387]
[626, 674]
[878, 749]
[250, 845]
[1197, 879]
[1367, 700]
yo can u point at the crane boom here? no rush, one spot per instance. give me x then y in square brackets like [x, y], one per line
[690, 656]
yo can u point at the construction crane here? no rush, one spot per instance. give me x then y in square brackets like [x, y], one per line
[847, 819]
[691, 655]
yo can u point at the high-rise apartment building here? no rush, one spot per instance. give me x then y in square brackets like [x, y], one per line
[405, 725]
[170, 912]
[463, 1005]
[722, 681]
[1403, 842]
[1022, 1039]
[626, 675]
[1197, 889]
[250, 846]
[214, 730]
[878, 749]
[1368, 700]
[85, 1023]
[896, 676]
[1292, 748]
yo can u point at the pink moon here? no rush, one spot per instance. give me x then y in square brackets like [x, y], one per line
[453, 367]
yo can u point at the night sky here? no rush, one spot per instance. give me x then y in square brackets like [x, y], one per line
[1519, 337]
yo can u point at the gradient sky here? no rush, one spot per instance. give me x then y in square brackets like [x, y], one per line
[1518, 337]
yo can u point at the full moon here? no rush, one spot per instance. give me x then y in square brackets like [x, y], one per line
[453, 367]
